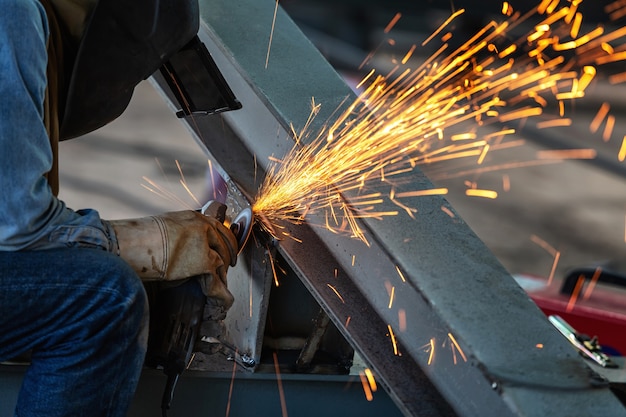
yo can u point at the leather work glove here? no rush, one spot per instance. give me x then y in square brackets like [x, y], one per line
[179, 245]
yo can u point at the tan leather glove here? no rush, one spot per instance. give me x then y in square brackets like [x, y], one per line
[179, 245]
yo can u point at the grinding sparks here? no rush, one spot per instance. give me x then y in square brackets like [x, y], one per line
[394, 342]
[456, 348]
[418, 114]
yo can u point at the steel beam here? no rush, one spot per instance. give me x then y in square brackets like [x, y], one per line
[494, 351]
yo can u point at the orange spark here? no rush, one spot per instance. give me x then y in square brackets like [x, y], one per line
[506, 183]
[608, 128]
[443, 25]
[366, 387]
[594, 280]
[473, 192]
[230, 389]
[410, 118]
[599, 117]
[431, 355]
[269, 44]
[393, 341]
[370, 379]
[572, 300]
[447, 211]
[456, 344]
[392, 22]
[617, 78]
[391, 296]
[274, 273]
[567, 154]
[281, 392]
[507, 9]
[402, 320]
[406, 58]
[336, 293]
[576, 23]
[555, 262]
[422, 193]
[621, 155]
[400, 273]
[551, 250]
[554, 123]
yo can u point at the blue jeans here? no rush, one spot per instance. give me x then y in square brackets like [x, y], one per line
[83, 313]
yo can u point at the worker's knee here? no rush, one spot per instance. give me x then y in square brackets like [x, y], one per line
[128, 301]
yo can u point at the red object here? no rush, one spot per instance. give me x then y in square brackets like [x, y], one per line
[589, 305]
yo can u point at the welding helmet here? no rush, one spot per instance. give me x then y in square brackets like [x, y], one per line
[122, 43]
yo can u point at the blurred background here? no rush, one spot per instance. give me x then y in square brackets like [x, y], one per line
[573, 208]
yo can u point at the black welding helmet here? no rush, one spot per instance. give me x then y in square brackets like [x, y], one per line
[123, 43]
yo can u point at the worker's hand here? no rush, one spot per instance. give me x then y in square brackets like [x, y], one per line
[179, 245]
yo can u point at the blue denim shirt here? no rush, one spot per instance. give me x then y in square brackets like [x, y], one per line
[31, 217]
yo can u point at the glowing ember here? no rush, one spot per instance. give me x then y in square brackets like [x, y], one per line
[366, 387]
[552, 251]
[456, 346]
[592, 284]
[572, 300]
[415, 116]
[393, 340]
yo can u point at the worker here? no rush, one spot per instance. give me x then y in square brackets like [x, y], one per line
[71, 290]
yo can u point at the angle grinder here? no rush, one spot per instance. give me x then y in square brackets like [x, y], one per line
[176, 309]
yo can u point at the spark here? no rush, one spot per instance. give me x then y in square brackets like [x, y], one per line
[421, 193]
[230, 389]
[401, 274]
[269, 43]
[608, 129]
[594, 280]
[392, 23]
[393, 340]
[572, 300]
[391, 296]
[445, 24]
[273, 265]
[366, 387]
[599, 117]
[567, 154]
[447, 211]
[370, 379]
[411, 117]
[621, 155]
[617, 78]
[554, 123]
[506, 183]
[336, 293]
[431, 351]
[473, 192]
[281, 391]
[555, 262]
[455, 344]
[552, 251]
[402, 320]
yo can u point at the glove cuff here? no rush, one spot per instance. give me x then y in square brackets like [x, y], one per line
[143, 244]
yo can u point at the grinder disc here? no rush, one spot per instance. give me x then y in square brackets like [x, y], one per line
[241, 226]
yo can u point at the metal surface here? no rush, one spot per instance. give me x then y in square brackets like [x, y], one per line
[495, 353]
[244, 395]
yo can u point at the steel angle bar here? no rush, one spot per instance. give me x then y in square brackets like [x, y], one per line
[458, 317]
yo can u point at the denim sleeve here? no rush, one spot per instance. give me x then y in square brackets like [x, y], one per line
[31, 217]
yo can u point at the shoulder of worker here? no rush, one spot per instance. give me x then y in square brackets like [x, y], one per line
[74, 14]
